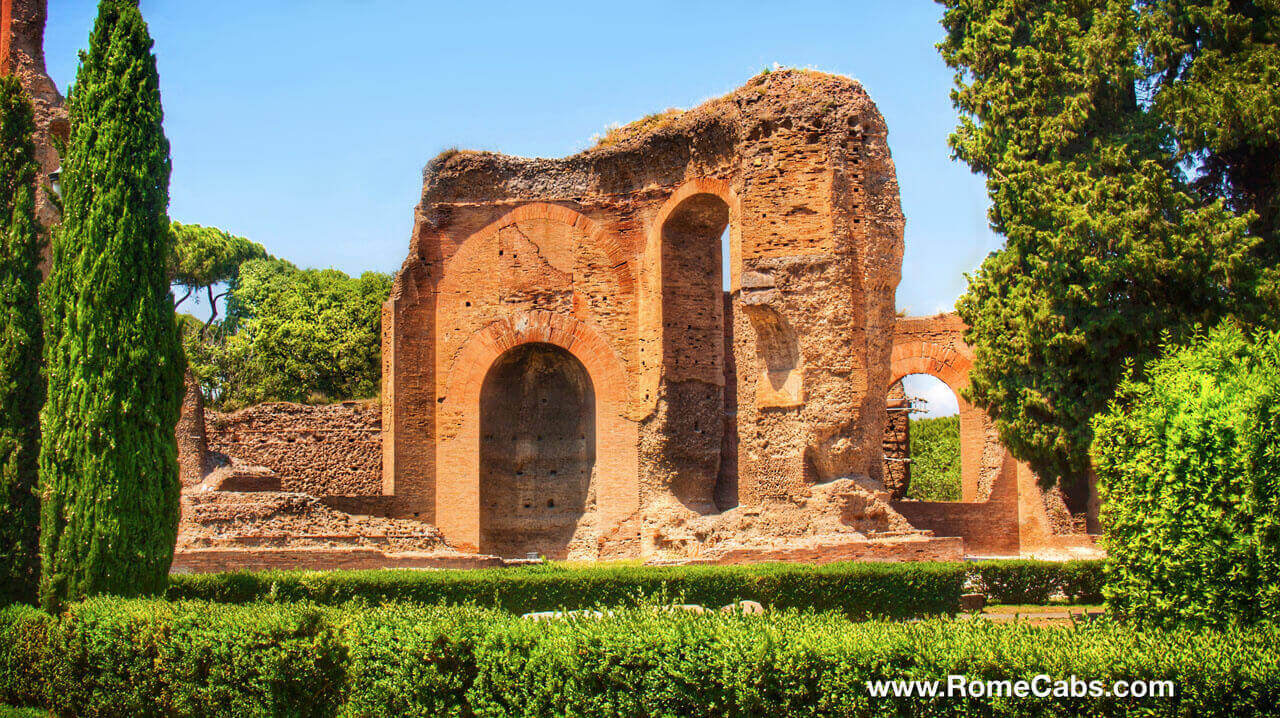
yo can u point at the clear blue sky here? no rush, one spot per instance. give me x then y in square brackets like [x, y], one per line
[304, 124]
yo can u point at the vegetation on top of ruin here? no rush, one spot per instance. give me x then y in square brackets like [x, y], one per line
[615, 135]
[649, 123]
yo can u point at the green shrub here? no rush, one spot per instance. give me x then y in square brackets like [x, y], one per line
[1188, 463]
[859, 590]
[935, 459]
[1081, 581]
[1017, 581]
[112, 657]
[145, 658]
[1020, 581]
[23, 655]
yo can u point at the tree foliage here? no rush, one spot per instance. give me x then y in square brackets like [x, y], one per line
[292, 335]
[203, 257]
[1188, 463]
[935, 459]
[21, 346]
[108, 461]
[1124, 214]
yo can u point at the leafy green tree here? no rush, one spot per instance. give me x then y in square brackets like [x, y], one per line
[292, 335]
[21, 345]
[204, 257]
[1187, 463]
[1113, 234]
[108, 461]
[935, 459]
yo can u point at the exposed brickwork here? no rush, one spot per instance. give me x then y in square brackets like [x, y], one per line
[332, 450]
[1004, 512]
[701, 403]
[897, 442]
[22, 53]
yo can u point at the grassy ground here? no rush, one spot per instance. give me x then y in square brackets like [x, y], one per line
[1050, 615]
[935, 459]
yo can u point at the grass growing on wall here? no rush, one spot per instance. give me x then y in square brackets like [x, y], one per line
[935, 459]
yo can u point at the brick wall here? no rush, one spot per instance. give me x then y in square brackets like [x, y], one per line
[332, 450]
[613, 255]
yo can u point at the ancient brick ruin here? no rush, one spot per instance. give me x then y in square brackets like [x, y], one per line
[22, 54]
[565, 373]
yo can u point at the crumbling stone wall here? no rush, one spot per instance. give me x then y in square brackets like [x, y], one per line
[702, 402]
[22, 53]
[935, 346]
[332, 450]
[1003, 509]
[897, 442]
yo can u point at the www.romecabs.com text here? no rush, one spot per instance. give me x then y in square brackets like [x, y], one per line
[1041, 686]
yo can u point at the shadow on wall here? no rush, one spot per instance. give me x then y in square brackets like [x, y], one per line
[537, 451]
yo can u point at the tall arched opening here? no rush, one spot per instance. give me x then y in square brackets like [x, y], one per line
[922, 447]
[697, 354]
[537, 450]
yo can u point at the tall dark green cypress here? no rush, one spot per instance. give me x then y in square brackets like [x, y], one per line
[108, 462]
[21, 385]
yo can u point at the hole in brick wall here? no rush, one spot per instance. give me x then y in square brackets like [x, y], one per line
[535, 388]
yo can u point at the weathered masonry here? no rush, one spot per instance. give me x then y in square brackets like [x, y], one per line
[563, 367]
[677, 345]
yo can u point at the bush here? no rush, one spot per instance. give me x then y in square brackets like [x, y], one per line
[145, 658]
[858, 590]
[23, 655]
[1018, 581]
[1187, 463]
[935, 459]
[116, 657]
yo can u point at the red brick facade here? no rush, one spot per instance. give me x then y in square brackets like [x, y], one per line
[1002, 510]
[613, 257]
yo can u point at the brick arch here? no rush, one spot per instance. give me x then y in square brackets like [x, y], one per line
[650, 278]
[619, 260]
[458, 478]
[950, 363]
[941, 362]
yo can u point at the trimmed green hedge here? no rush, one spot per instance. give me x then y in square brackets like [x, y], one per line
[139, 658]
[859, 590]
[1019, 581]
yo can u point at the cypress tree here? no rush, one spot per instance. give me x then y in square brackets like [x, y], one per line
[21, 385]
[1090, 120]
[108, 462]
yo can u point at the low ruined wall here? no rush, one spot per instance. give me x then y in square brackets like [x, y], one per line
[332, 450]
[988, 528]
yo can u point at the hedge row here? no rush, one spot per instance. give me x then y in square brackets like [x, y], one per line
[1019, 581]
[859, 590]
[115, 657]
